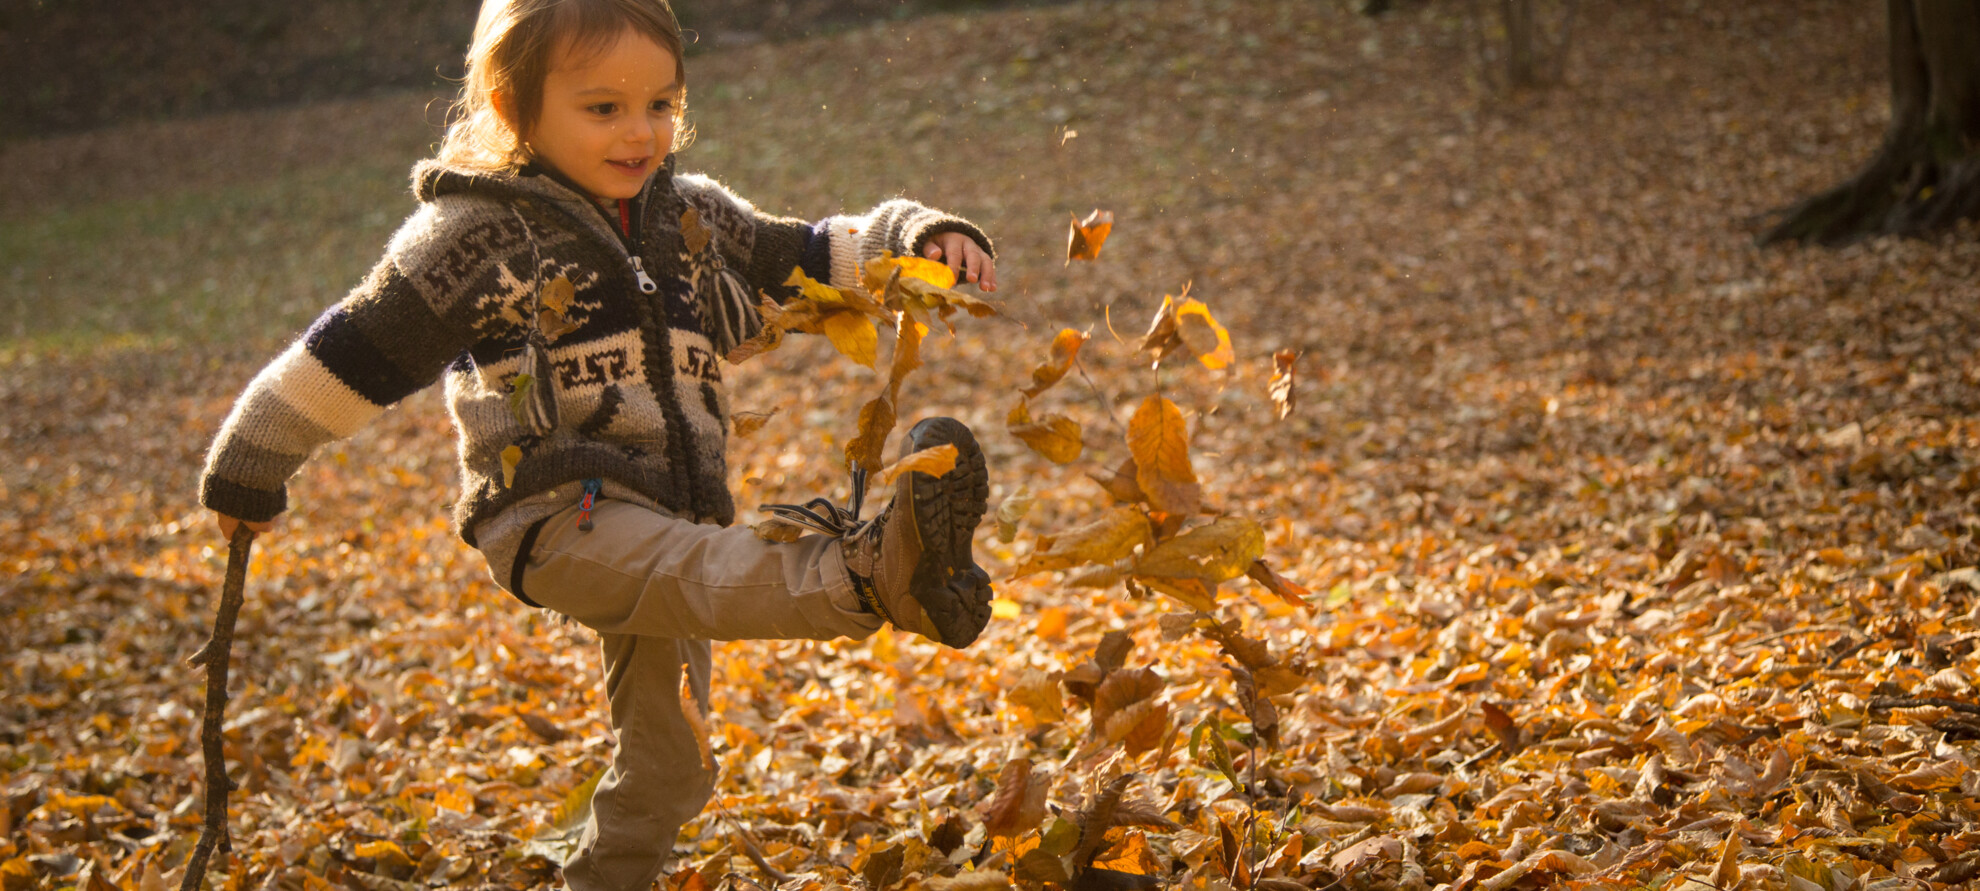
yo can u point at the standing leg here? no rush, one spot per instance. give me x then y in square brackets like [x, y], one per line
[656, 782]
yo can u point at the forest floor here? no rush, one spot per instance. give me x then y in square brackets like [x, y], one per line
[1637, 556]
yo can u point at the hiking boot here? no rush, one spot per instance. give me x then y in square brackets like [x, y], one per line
[912, 565]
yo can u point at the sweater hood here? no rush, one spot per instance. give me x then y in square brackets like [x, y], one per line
[433, 179]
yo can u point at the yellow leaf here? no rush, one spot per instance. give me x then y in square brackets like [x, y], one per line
[1159, 440]
[1065, 350]
[1005, 608]
[1217, 552]
[934, 461]
[813, 289]
[511, 456]
[1193, 593]
[778, 530]
[854, 335]
[933, 272]
[1203, 335]
[1113, 535]
[1056, 437]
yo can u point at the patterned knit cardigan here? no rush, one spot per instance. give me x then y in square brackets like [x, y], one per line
[638, 393]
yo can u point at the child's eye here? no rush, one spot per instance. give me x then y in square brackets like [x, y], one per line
[602, 108]
[663, 105]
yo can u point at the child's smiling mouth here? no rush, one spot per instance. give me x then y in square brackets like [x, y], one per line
[630, 167]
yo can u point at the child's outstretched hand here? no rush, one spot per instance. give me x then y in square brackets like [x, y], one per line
[229, 524]
[965, 259]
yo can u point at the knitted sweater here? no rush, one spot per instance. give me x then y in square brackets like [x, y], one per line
[638, 392]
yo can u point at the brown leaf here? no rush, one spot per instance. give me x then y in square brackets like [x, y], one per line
[1503, 727]
[1281, 587]
[1194, 593]
[1011, 511]
[1065, 351]
[744, 423]
[1019, 802]
[867, 448]
[1083, 241]
[693, 233]
[1039, 692]
[1282, 384]
[1139, 727]
[1120, 690]
[1121, 483]
[1056, 437]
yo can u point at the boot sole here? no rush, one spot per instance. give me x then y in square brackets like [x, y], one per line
[951, 588]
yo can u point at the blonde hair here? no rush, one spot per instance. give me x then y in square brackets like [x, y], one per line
[514, 45]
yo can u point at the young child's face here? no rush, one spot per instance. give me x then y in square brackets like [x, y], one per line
[608, 116]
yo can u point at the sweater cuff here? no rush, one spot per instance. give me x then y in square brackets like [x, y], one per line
[240, 502]
[918, 237]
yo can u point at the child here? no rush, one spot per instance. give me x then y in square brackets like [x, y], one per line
[575, 290]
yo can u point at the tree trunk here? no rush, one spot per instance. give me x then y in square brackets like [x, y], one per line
[1926, 176]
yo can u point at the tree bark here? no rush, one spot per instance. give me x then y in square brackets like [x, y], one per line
[1926, 175]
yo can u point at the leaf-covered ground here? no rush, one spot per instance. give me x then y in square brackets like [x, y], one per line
[1641, 557]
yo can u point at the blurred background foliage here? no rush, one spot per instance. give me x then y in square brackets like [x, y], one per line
[77, 64]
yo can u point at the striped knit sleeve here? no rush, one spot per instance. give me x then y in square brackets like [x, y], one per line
[379, 345]
[766, 247]
[846, 243]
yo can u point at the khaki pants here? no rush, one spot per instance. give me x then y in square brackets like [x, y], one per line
[657, 589]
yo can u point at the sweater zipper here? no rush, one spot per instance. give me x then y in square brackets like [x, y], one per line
[646, 283]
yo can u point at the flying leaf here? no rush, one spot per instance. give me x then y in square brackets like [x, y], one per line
[934, 461]
[1159, 440]
[553, 325]
[879, 271]
[853, 335]
[511, 456]
[866, 449]
[697, 725]
[777, 530]
[1281, 587]
[1110, 537]
[913, 285]
[1011, 512]
[744, 423]
[1065, 350]
[771, 337]
[1194, 593]
[1084, 240]
[1139, 727]
[1123, 688]
[1120, 483]
[1282, 382]
[1056, 437]
[812, 289]
[1216, 552]
[1204, 337]
[1039, 692]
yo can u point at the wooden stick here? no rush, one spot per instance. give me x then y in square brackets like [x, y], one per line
[215, 656]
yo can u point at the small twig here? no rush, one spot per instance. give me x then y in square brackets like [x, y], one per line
[753, 849]
[1105, 409]
[215, 655]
